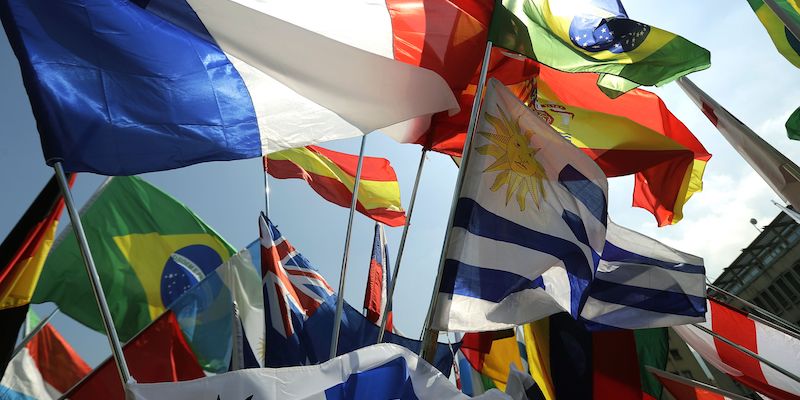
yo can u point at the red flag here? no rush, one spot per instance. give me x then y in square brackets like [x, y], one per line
[769, 343]
[157, 354]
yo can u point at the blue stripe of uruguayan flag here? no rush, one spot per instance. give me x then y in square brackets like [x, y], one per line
[528, 227]
[641, 283]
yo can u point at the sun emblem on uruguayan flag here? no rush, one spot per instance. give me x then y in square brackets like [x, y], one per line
[520, 172]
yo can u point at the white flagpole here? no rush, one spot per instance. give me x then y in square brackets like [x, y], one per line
[429, 336]
[401, 247]
[31, 334]
[779, 172]
[789, 22]
[748, 352]
[693, 383]
[94, 278]
[337, 319]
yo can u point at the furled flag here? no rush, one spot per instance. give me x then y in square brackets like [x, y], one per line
[154, 250]
[687, 389]
[167, 84]
[767, 342]
[46, 368]
[300, 307]
[780, 173]
[786, 43]
[378, 280]
[157, 354]
[382, 371]
[332, 175]
[642, 283]
[529, 224]
[491, 354]
[633, 134]
[22, 256]
[569, 362]
[595, 36]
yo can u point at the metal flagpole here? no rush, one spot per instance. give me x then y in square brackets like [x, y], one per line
[777, 323]
[694, 383]
[94, 279]
[29, 335]
[789, 22]
[337, 319]
[429, 335]
[266, 188]
[748, 352]
[393, 283]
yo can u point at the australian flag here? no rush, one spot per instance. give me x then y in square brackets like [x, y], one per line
[300, 307]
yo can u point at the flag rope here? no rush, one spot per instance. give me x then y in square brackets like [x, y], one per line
[402, 246]
[94, 278]
[429, 336]
[337, 319]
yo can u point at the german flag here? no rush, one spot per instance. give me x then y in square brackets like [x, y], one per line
[22, 256]
[332, 175]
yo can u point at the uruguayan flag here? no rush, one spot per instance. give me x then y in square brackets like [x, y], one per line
[383, 371]
[642, 283]
[529, 226]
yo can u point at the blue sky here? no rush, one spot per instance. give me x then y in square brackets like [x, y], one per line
[747, 76]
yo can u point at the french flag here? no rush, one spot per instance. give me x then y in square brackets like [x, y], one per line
[120, 87]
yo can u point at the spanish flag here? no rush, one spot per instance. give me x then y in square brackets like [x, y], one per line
[632, 134]
[332, 175]
[22, 256]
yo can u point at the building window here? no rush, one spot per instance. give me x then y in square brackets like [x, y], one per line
[675, 354]
[772, 306]
[778, 295]
[784, 287]
[792, 280]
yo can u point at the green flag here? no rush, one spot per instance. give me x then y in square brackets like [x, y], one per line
[595, 36]
[793, 125]
[148, 248]
[785, 42]
[652, 349]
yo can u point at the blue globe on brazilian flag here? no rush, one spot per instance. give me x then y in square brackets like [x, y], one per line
[595, 36]
[149, 250]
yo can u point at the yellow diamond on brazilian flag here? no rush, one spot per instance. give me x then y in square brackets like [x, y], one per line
[149, 249]
[595, 36]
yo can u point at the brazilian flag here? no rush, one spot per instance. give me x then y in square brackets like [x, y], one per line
[595, 36]
[148, 247]
[785, 42]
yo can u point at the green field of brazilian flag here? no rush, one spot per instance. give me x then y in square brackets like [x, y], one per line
[595, 36]
[148, 248]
